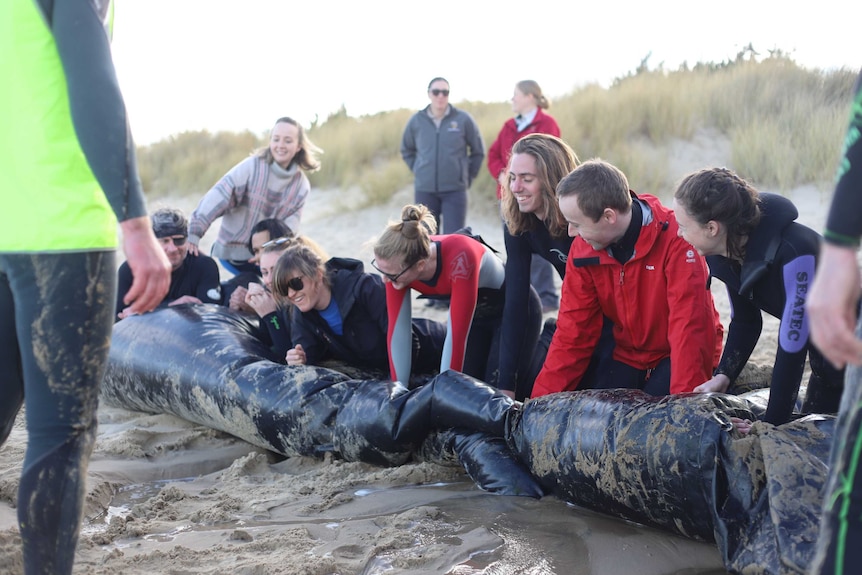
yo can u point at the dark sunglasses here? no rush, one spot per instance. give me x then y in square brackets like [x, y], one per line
[276, 242]
[437, 92]
[295, 283]
[178, 242]
[391, 277]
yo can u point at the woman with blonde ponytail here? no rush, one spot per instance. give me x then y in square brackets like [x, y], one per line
[456, 266]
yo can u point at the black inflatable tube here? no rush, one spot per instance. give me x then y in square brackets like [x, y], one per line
[203, 364]
[668, 462]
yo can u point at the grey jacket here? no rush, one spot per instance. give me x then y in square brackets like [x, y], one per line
[443, 160]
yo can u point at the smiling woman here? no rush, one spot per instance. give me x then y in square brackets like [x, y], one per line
[270, 184]
[340, 313]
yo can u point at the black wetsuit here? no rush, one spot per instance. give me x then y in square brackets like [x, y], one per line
[519, 301]
[780, 259]
[839, 547]
[278, 331]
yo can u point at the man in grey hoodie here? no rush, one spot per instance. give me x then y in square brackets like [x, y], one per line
[443, 148]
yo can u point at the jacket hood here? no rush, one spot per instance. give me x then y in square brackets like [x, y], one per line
[345, 264]
[343, 274]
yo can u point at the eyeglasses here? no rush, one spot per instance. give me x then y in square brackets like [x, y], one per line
[391, 277]
[276, 242]
[178, 242]
[437, 92]
[295, 283]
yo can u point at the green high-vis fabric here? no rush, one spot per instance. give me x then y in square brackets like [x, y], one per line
[49, 198]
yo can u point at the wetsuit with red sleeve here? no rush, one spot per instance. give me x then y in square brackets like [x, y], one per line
[468, 272]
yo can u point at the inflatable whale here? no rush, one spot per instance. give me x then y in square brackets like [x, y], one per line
[671, 462]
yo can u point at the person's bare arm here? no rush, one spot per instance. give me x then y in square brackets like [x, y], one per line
[832, 305]
[151, 271]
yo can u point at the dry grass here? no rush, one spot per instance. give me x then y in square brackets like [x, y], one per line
[785, 125]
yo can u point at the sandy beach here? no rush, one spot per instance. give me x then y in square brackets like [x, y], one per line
[168, 496]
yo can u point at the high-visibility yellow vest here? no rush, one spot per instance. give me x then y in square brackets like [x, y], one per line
[49, 198]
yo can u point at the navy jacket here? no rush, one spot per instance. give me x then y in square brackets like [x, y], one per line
[361, 301]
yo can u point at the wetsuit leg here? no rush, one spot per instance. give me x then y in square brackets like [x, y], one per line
[532, 331]
[478, 362]
[825, 385]
[12, 380]
[839, 546]
[63, 316]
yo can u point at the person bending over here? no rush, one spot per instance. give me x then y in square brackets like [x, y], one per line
[766, 259]
[235, 289]
[194, 278]
[534, 226]
[410, 257]
[339, 314]
[628, 263]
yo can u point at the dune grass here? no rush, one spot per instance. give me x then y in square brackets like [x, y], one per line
[785, 125]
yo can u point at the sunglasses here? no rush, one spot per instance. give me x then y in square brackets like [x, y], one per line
[276, 242]
[295, 283]
[437, 92]
[391, 277]
[178, 242]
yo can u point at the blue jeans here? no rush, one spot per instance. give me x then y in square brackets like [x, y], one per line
[56, 316]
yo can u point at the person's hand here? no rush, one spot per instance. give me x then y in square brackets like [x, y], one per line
[831, 306]
[743, 426]
[295, 356]
[151, 270]
[260, 300]
[185, 299]
[237, 300]
[719, 383]
[193, 248]
[127, 312]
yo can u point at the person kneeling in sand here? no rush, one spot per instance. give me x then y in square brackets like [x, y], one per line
[339, 314]
[194, 278]
[753, 244]
[628, 263]
[275, 313]
[235, 289]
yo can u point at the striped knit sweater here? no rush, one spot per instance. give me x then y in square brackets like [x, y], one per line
[251, 191]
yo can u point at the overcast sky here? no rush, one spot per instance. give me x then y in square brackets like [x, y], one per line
[236, 65]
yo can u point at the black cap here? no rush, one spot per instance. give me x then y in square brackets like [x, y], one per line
[169, 222]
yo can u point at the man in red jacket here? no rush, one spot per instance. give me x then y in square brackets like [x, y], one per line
[628, 265]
